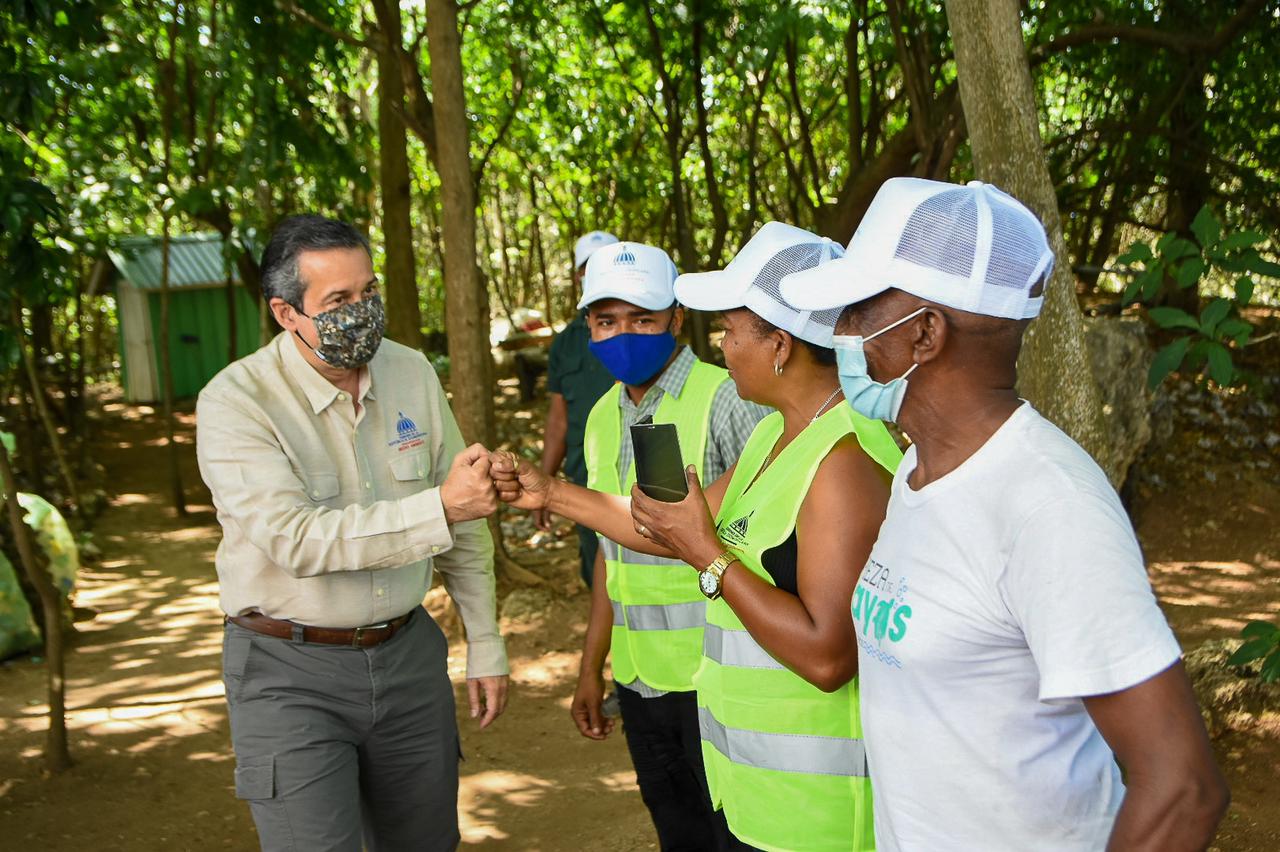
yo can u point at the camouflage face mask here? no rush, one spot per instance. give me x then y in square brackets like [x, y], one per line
[349, 335]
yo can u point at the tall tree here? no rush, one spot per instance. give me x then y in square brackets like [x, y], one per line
[1004, 133]
[57, 757]
[466, 301]
[168, 71]
[404, 320]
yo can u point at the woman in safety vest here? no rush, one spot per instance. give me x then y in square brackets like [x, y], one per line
[780, 540]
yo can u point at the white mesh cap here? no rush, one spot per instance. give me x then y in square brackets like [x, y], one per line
[973, 248]
[633, 272]
[752, 279]
[588, 243]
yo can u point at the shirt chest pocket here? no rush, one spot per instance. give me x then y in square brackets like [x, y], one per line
[410, 468]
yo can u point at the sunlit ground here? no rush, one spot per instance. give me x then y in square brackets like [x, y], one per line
[1214, 591]
[147, 718]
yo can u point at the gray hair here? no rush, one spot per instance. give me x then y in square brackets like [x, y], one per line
[292, 237]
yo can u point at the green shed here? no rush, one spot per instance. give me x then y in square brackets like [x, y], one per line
[202, 309]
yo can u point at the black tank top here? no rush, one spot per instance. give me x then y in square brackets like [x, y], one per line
[780, 562]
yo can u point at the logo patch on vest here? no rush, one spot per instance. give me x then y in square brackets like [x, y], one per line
[408, 435]
[735, 532]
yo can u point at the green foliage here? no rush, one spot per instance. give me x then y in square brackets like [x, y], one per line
[585, 114]
[18, 629]
[1206, 342]
[54, 538]
[1144, 131]
[1261, 642]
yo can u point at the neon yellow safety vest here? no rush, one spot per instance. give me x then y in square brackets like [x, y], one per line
[658, 611]
[783, 758]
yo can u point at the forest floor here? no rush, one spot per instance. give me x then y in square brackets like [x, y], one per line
[147, 719]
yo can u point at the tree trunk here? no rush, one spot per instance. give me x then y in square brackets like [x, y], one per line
[76, 412]
[46, 419]
[542, 257]
[699, 328]
[57, 757]
[1004, 132]
[230, 285]
[166, 359]
[466, 301]
[1189, 185]
[404, 319]
[719, 216]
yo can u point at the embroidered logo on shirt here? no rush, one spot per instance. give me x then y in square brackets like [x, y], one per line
[735, 533]
[408, 435]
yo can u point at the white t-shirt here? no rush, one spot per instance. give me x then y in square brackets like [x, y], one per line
[994, 598]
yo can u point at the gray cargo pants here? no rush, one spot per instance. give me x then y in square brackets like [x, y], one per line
[338, 746]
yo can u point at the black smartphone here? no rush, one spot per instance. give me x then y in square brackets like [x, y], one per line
[659, 465]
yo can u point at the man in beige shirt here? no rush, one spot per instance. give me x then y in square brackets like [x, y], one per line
[340, 480]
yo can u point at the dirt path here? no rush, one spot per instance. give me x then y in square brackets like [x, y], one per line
[148, 721]
[1210, 527]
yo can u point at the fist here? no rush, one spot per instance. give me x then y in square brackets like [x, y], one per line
[519, 483]
[468, 491]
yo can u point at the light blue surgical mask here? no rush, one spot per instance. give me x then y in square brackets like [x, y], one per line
[872, 399]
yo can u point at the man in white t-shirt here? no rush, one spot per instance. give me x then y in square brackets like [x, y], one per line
[1011, 651]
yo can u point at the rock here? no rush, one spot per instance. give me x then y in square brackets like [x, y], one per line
[525, 604]
[1120, 358]
[1232, 698]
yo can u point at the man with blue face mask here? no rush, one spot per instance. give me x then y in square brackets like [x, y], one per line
[1011, 651]
[645, 608]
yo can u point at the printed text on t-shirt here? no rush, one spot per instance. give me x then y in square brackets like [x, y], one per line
[880, 610]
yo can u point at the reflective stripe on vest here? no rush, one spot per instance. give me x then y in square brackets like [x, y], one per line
[658, 611]
[614, 552]
[681, 616]
[784, 759]
[808, 753]
[736, 648]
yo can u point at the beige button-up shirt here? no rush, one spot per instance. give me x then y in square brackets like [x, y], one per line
[333, 518]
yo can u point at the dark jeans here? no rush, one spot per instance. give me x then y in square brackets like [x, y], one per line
[588, 545]
[662, 736]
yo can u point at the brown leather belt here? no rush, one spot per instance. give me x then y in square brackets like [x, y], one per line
[356, 637]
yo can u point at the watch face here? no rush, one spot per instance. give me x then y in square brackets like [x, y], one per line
[708, 583]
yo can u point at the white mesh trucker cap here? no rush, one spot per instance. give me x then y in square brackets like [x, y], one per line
[588, 243]
[751, 281]
[972, 247]
[633, 272]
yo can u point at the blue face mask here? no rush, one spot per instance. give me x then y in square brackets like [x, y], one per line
[872, 399]
[634, 359]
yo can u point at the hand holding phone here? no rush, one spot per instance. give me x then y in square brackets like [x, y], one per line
[659, 464]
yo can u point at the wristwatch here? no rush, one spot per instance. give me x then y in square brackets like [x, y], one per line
[711, 577]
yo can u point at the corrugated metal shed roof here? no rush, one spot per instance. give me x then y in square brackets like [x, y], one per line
[195, 261]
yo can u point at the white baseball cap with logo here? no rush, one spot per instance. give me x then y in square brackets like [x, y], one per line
[588, 243]
[633, 272]
[971, 247]
[752, 279]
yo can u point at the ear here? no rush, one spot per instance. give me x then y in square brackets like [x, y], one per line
[286, 314]
[929, 336]
[677, 320]
[784, 346]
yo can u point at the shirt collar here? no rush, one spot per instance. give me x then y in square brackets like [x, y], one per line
[672, 380]
[677, 373]
[320, 392]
